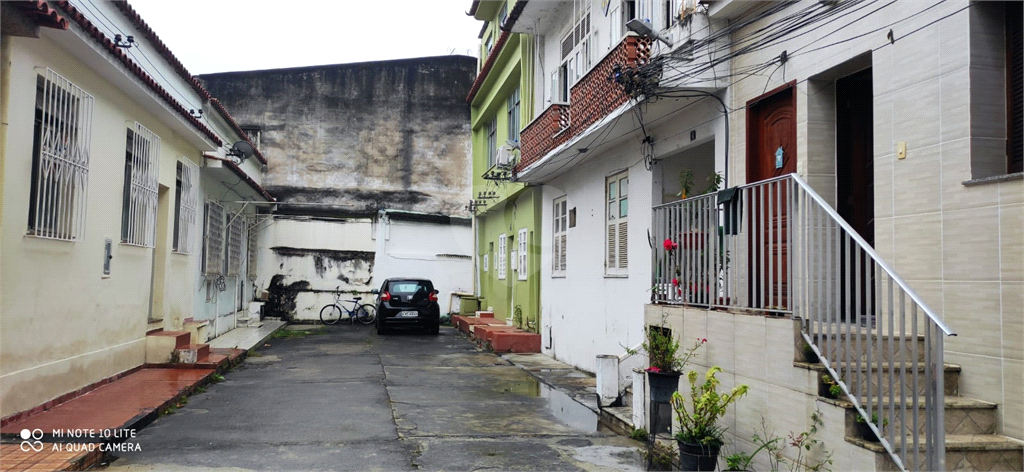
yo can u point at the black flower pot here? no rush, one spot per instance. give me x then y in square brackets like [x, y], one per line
[663, 385]
[700, 457]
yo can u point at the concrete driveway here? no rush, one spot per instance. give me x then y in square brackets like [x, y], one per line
[352, 400]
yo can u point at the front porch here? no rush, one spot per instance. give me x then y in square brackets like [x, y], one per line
[793, 301]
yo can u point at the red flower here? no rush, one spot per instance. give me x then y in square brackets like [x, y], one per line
[653, 369]
[670, 245]
[675, 282]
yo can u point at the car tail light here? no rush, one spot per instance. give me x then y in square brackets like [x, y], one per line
[385, 297]
[433, 296]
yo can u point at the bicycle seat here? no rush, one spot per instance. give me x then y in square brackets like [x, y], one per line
[358, 298]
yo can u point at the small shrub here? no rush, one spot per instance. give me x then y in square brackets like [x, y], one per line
[639, 434]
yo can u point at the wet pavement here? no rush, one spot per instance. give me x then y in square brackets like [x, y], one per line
[352, 400]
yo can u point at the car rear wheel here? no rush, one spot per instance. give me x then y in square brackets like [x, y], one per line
[381, 329]
[435, 328]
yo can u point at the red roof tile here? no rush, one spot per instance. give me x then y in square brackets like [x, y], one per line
[153, 41]
[43, 14]
[138, 71]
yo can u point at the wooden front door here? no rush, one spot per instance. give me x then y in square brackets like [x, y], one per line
[771, 152]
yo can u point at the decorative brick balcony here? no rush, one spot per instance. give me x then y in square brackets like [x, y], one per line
[593, 97]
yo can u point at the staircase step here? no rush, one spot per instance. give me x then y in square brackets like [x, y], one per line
[881, 346]
[951, 375]
[181, 338]
[193, 353]
[618, 418]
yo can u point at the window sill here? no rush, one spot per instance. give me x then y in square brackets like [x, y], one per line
[616, 276]
[993, 179]
[558, 276]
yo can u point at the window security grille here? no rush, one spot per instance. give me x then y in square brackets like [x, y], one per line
[522, 253]
[187, 190]
[234, 249]
[60, 159]
[250, 247]
[213, 250]
[138, 210]
[502, 255]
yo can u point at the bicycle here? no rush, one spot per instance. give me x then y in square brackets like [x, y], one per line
[331, 314]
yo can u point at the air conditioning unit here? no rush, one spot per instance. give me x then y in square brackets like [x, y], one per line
[506, 155]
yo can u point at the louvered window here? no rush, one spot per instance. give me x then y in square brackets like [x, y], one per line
[502, 255]
[523, 240]
[560, 230]
[617, 227]
[234, 247]
[1015, 87]
[186, 192]
[213, 232]
[60, 159]
[250, 247]
[138, 204]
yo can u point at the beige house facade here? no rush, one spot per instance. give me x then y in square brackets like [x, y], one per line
[112, 158]
[905, 119]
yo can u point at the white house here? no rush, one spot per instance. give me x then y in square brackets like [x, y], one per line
[122, 204]
[604, 161]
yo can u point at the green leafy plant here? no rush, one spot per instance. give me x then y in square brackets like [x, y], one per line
[834, 390]
[698, 421]
[663, 351]
[216, 378]
[809, 355]
[639, 434]
[804, 444]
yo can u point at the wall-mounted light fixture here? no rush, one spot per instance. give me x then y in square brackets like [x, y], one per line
[241, 151]
[643, 29]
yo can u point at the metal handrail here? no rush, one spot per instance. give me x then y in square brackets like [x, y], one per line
[777, 246]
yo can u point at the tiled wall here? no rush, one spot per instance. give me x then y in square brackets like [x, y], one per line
[961, 247]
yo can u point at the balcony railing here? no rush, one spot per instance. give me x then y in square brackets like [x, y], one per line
[777, 247]
[594, 96]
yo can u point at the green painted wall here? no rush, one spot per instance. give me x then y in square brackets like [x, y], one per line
[516, 206]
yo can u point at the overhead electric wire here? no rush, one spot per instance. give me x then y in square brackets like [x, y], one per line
[112, 30]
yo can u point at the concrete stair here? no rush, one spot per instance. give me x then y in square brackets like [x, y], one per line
[970, 424]
[161, 345]
[176, 348]
[497, 335]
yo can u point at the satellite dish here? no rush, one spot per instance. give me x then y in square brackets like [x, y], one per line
[242, 150]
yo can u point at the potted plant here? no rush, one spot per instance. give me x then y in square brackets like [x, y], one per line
[699, 436]
[864, 430]
[665, 362]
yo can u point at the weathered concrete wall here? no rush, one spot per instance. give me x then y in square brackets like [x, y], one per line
[361, 137]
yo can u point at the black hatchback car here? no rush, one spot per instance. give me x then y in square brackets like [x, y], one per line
[407, 302]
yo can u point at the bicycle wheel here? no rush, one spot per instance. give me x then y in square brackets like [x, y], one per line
[366, 314]
[330, 314]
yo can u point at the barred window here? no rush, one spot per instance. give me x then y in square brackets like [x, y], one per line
[502, 256]
[233, 262]
[213, 234]
[523, 246]
[138, 207]
[60, 159]
[186, 193]
[251, 248]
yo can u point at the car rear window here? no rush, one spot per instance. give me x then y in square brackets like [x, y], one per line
[407, 287]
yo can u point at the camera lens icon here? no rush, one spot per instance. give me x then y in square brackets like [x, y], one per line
[36, 435]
